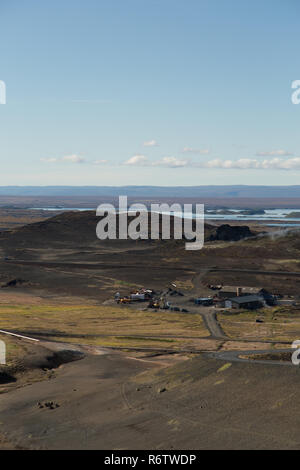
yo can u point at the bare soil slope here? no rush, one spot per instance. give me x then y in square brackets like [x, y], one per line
[114, 402]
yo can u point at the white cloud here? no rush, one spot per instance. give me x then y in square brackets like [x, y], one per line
[248, 163]
[168, 162]
[289, 164]
[240, 164]
[274, 153]
[196, 151]
[67, 158]
[171, 162]
[150, 143]
[73, 159]
[137, 160]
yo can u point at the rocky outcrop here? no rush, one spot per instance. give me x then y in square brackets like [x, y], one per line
[230, 233]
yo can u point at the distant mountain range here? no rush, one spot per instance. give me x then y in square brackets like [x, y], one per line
[237, 191]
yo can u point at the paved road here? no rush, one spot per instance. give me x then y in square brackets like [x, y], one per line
[234, 356]
[212, 324]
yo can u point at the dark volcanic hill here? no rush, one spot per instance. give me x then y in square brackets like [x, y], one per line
[72, 229]
[64, 254]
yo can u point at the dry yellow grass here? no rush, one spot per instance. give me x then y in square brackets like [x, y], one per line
[279, 324]
[86, 324]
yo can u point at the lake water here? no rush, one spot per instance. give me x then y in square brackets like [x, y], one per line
[270, 214]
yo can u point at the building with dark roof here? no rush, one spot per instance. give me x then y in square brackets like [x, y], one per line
[248, 302]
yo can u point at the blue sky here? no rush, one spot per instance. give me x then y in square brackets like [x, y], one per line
[158, 92]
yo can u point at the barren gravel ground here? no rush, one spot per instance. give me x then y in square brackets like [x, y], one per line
[114, 402]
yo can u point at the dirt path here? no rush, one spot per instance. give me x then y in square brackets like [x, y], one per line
[213, 326]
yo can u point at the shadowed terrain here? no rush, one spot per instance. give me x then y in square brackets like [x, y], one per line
[145, 379]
